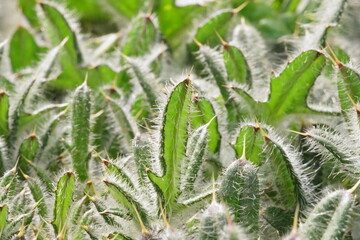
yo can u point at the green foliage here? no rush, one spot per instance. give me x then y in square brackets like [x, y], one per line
[102, 138]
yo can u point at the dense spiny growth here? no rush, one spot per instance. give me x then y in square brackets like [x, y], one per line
[103, 137]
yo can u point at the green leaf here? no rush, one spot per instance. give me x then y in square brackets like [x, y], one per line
[27, 152]
[48, 182]
[279, 219]
[240, 191]
[46, 137]
[3, 156]
[236, 65]
[127, 8]
[330, 218]
[28, 9]
[63, 199]
[4, 114]
[195, 153]
[18, 110]
[128, 201]
[142, 74]
[348, 88]
[127, 130]
[80, 130]
[45, 66]
[143, 158]
[212, 222]
[325, 18]
[290, 89]
[291, 181]
[23, 51]
[144, 33]
[118, 172]
[175, 20]
[216, 70]
[173, 141]
[3, 217]
[106, 213]
[38, 196]
[8, 186]
[58, 27]
[206, 33]
[206, 112]
[254, 142]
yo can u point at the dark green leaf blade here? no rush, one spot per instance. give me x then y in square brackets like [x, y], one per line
[330, 217]
[173, 140]
[63, 199]
[4, 113]
[80, 130]
[290, 89]
[236, 65]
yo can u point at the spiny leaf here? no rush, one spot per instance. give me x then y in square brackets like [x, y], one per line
[3, 156]
[195, 156]
[80, 130]
[63, 199]
[330, 218]
[206, 33]
[141, 73]
[127, 130]
[39, 197]
[290, 179]
[128, 201]
[118, 172]
[212, 222]
[144, 32]
[18, 110]
[58, 27]
[4, 113]
[236, 65]
[142, 157]
[232, 231]
[325, 18]
[205, 111]
[254, 142]
[216, 70]
[348, 88]
[54, 122]
[39, 113]
[27, 152]
[290, 89]
[44, 178]
[173, 141]
[240, 191]
[24, 51]
[106, 213]
[45, 66]
[8, 184]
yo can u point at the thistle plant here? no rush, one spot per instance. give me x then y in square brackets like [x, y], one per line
[179, 120]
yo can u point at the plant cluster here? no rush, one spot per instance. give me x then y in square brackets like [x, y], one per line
[180, 119]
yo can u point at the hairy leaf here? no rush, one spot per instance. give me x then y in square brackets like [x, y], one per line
[240, 191]
[80, 130]
[173, 140]
[330, 217]
[63, 199]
